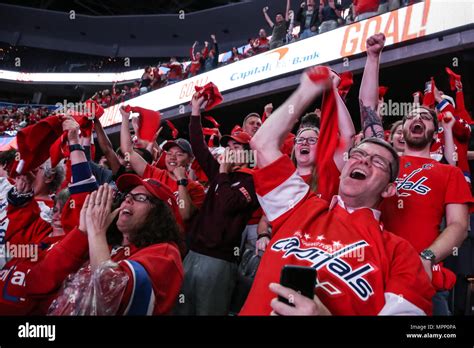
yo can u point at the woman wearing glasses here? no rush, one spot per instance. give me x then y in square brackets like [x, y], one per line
[304, 154]
[120, 262]
[334, 139]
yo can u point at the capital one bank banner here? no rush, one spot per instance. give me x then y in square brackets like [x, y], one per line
[418, 20]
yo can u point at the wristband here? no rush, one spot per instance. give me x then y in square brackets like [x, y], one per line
[76, 147]
[266, 234]
[183, 182]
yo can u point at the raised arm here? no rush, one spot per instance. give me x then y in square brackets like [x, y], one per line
[267, 17]
[449, 150]
[346, 129]
[137, 162]
[369, 89]
[192, 50]
[205, 159]
[287, 12]
[271, 135]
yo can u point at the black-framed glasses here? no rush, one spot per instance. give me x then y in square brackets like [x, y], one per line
[423, 115]
[376, 160]
[310, 140]
[139, 197]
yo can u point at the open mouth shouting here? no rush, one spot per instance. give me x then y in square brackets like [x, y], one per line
[417, 128]
[358, 174]
[304, 150]
[126, 212]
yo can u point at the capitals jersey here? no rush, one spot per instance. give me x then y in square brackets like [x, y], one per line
[361, 268]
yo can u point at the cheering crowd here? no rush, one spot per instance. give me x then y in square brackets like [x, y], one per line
[204, 227]
[313, 17]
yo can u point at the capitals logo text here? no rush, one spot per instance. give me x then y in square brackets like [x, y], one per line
[354, 278]
[417, 186]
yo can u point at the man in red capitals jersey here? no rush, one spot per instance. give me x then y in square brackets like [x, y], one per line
[427, 190]
[386, 278]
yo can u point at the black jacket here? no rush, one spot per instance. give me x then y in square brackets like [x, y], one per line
[301, 18]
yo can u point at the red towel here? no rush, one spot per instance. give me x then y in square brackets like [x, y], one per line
[452, 78]
[35, 141]
[174, 130]
[211, 93]
[429, 99]
[328, 139]
[148, 122]
[345, 84]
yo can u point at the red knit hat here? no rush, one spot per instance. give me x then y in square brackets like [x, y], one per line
[148, 122]
[34, 142]
[211, 93]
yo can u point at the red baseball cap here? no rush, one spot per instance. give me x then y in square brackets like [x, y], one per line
[240, 137]
[127, 182]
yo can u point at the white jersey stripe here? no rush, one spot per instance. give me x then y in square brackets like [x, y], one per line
[397, 305]
[284, 197]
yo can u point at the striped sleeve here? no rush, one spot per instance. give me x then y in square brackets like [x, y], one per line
[279, 188]
[82, 179]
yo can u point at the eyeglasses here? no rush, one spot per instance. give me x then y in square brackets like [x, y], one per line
[310, 140]
[377, 160]
[423, 115]
[139, 197]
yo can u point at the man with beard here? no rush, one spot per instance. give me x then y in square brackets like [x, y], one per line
[427, 189]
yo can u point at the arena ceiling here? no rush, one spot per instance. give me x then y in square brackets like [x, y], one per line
[119, 8]
[136, 28]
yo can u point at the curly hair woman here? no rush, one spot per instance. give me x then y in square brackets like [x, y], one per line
[134, 265]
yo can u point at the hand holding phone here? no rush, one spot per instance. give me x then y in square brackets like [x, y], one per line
[299, 278]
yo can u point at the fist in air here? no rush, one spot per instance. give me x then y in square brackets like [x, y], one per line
[375, 44]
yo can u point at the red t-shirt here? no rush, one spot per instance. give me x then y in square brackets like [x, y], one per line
[308, 232]
[424, 187]
[364, 6]
[195, 189]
